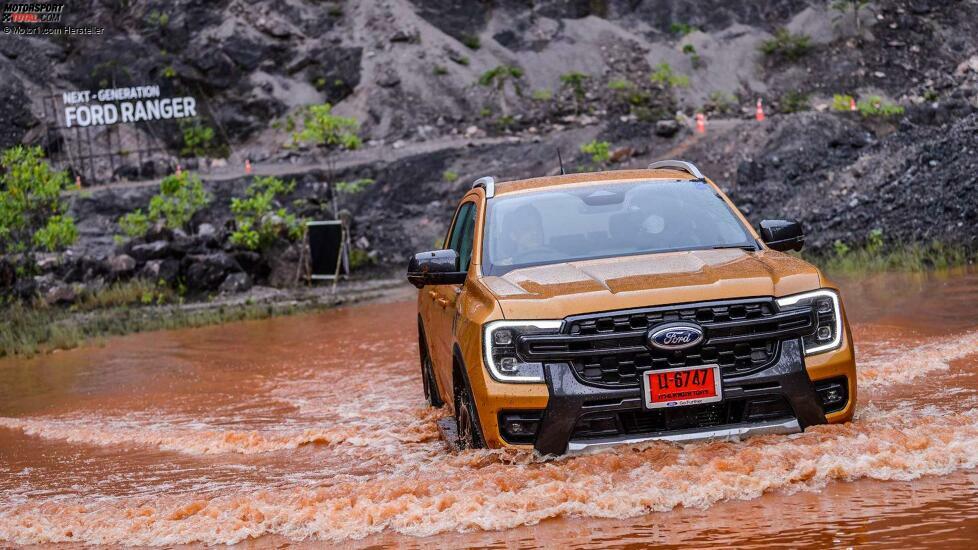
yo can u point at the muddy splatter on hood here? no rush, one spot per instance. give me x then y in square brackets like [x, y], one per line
[555, 291]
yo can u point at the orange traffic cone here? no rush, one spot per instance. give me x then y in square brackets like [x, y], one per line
[852, 104]
[248, 166]
[759, 115]
[701, 123]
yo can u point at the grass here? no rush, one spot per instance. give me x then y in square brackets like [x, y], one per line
[910, 258]
[787, 45]
[135, 306]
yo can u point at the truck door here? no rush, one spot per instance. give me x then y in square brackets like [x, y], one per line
[444, 297]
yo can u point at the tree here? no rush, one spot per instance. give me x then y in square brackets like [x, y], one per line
[259, 219]
[180, 197]
[328, 131]
[497, 78]
[33, 214]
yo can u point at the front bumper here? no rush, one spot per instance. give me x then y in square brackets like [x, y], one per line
[779, 399]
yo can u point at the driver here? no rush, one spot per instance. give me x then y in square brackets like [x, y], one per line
[523, 232]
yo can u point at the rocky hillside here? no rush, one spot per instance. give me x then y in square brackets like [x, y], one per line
[631, 73]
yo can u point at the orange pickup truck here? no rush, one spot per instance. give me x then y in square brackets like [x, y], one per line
[584, 310]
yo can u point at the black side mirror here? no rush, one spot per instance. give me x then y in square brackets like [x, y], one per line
[783, 235]
[435, 267]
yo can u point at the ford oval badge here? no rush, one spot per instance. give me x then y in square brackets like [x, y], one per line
[673, 336]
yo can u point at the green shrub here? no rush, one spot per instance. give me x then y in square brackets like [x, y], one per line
[787, 45]
[665, 76]
[542, 95]
[874, 255]
[198, 140]
[449, 176]
[33, 214]
[471, 41]
[353, 187]
[682, 29]
[499, 75]
[575, 81]
[328, 131]
[134, 224]
[259, 219]
[876, 106]
[180, 197]
[794, 101]
[620, 84]
[600, 151]
[440, 71]
[721, 102]
[841, 102]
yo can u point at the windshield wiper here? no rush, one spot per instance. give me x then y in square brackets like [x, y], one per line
[748, 247]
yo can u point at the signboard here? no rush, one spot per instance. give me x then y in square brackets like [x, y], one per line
[327, 249]
[109, 106]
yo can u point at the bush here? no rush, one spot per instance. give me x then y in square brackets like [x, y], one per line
[794, 101]
[542, 95]
[180, 197]
[665, 76]
[33, 214]
[575, 81]
[874, 255]
[328, 131]
[259, 219]
[600, 151]
[787, 45]
[449, 176]
[841, 102]
[471, 41]
[198, 140]
[876, 106]
[682, 29]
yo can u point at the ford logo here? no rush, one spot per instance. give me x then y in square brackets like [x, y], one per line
[673, 336]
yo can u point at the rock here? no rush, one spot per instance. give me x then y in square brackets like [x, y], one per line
[60, 295]
[150, 251]
[47, 261]
[120, 265]
[471, 131]
[206, 232]
[620, 154]
[388, 79]
[283, 261]
[44, 283]
[251, 262]
[161, 270]
[159, 232]
[666, 128]
[204, 272]
[235, 282]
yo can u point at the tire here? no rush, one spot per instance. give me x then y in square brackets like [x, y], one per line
[431, 394]
[466, 418]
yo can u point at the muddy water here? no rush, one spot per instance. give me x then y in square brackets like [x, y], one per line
[299, 430]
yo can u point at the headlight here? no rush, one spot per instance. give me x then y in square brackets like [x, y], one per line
[500, 346]
[828, 332]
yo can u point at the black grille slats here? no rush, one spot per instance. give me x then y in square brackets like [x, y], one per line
[741, 336]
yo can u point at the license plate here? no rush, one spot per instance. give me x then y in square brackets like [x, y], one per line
[682, 386]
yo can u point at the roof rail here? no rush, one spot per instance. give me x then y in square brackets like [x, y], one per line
[488, 183]
[680, 165]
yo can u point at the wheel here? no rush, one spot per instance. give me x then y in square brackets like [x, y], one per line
[431, 394]
[469, 431]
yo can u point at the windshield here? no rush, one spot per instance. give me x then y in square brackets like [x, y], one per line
[580, 223]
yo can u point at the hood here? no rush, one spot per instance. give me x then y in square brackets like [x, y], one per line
[558, 290]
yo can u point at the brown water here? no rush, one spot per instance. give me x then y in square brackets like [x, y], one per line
[299, 430]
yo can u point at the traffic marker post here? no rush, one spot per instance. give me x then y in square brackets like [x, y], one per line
[248, 167]
[759, 114]
[701, 123]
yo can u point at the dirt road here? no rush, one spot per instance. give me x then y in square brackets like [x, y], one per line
[291, 431]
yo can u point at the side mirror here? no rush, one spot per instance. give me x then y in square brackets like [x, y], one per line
[783, 235]
[435, 267]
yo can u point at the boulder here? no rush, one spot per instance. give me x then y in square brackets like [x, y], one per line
[120, 265]
[150, 251]
[283, 262]
[61, 294]
[204, 272]
[207, 232]
[235, 283]
[161, 270]
[666, 128]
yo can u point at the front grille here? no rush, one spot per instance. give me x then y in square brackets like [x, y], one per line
[610, 349]
[598, 425]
